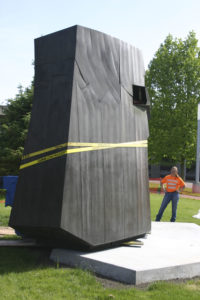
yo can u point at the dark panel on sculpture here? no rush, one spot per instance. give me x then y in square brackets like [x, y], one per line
[89, 92]
[39, 192]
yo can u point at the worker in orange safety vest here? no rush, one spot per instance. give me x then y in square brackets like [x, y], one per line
[174, 184]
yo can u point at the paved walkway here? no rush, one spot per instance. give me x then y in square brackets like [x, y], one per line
[6, 231]
[18, 243]
[189, 197]
[181, 195]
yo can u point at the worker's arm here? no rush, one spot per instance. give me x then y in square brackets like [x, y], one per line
[181, 188]
[162, 187]
[182, 185]
[162, 182]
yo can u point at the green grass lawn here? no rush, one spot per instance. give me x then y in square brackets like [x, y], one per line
[186, 209]
[4, 214]
[27, 274]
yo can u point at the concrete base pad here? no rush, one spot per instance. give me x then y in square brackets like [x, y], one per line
[171, 251]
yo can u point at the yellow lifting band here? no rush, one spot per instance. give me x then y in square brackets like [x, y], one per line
[85, 147]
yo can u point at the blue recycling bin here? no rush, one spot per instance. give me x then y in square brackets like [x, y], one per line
[9, 184]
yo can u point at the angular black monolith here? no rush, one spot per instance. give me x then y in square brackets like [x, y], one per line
[89, 88]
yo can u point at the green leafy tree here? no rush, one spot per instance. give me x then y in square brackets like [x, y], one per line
[173, 81]
[13, 131]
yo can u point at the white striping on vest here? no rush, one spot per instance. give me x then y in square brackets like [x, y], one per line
[173, 180]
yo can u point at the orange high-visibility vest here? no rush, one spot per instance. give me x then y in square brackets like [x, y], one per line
[173, 183]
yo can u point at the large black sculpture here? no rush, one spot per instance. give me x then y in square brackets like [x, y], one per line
[84, 175]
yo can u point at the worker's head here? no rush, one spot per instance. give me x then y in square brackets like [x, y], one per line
[174, 171]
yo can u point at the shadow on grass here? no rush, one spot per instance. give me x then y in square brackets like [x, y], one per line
[15, 259]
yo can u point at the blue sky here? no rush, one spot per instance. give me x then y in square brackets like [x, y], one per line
[142, 23]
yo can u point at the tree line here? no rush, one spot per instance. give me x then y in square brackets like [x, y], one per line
[173, 82]
[13, 130]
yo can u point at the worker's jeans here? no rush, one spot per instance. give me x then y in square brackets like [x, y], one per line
[172, 196]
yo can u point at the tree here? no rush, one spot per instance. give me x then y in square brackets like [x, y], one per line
[173, 81]
[13, 131]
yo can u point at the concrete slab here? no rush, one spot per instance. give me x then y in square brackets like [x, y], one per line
[171, 251]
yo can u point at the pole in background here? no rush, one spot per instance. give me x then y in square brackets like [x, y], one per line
[198, 145]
